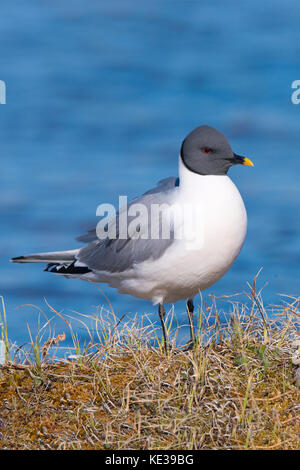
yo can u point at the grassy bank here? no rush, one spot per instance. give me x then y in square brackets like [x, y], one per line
[236, 390]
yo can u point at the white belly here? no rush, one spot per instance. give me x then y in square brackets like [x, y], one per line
[189, 267]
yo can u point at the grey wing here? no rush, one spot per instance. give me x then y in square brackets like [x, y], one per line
[163, 185]
[120, 254]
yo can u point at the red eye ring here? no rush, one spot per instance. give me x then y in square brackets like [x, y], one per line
[206, 150]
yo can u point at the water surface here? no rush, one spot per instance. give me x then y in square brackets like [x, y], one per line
[99, 98]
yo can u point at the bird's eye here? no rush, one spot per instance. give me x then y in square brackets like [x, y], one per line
[206, 150]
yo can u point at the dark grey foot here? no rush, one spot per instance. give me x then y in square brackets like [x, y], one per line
[189, 346]
[190, 312]
[162, 314]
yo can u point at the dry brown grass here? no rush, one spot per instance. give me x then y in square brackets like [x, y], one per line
[235, 391]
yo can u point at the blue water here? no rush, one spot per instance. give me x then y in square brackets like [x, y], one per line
[100, 95]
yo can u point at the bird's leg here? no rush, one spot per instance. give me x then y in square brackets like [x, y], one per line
[162, 314]
[190, 311]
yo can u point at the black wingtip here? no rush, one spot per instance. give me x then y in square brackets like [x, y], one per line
[70, 269]
[18, 259]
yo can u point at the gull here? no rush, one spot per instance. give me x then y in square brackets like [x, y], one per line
[175, 240]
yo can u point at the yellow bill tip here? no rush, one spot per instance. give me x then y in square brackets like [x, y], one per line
[248, 162]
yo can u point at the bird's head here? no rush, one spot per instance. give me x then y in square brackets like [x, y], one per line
[206, 151]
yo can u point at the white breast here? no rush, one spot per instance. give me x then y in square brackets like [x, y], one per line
[188, 267]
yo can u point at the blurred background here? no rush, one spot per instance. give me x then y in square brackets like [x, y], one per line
[99, 97]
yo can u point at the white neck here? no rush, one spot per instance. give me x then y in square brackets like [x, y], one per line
[191, 182]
